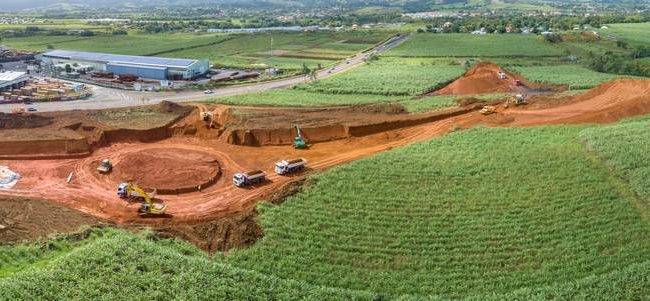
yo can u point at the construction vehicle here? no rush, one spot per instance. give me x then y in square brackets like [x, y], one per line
[520, 99]
[132, 191]
[290, 166]
[519, 83]
[299, 142]
[242, 179]
[105, 167]
[487, 110]
[501, 74]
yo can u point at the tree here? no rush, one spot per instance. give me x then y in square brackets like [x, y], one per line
[305, 69]
[68, 68]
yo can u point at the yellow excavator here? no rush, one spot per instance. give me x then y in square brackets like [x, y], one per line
[134, 192]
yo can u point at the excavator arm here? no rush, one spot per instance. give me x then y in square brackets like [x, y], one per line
[148, 205]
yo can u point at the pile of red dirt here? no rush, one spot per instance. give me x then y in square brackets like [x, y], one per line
[168, 170]
[27, 219]
[483, 78]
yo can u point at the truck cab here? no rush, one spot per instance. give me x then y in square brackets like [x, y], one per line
[281, 167]
[122, 190]
[239, 179]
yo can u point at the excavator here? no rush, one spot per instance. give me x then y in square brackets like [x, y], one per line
[299, 142]
[135, 192]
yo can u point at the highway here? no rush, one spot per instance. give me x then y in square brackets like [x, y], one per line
[105, 98]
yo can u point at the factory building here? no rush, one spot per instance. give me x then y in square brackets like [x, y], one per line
[12, 80]
[141, 66]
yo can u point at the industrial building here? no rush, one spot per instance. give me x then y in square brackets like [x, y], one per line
[12, 80]
[141, 66]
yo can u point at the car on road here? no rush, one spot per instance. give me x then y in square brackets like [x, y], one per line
[31, 110]
[208, 92]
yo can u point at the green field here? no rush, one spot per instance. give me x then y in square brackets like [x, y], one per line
[468, 45]
[284, 50]
[482, 214]
[287, 50]
[636, 33]
[389, 76]
[133, 44]
[302, 98]
[575, 76]
[624, 147]
[470, 224]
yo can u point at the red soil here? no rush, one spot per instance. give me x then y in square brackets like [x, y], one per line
[608, 102]
[483, 78]
[95, 195]
[166, 169]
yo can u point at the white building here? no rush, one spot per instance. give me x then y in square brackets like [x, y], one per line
[12, 79]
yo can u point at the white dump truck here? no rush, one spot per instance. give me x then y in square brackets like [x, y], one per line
[242, 179]
[289, 166]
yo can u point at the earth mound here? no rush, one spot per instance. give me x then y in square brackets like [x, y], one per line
[168, 170]
[484, 78]
[28, 219]
[30, 121]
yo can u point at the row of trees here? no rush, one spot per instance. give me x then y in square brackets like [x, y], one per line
[503, 23]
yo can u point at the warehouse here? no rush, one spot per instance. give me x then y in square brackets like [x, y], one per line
[141, 66]
[12, 79]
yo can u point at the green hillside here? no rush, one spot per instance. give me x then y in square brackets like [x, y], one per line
[483, 214]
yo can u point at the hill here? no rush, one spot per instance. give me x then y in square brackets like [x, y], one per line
[510, 213]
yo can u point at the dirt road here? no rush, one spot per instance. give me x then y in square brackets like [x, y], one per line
[104, 98]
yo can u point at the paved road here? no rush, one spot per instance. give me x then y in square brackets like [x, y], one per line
[104, 98]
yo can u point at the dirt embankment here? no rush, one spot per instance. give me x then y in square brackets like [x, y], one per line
[28, 219]
[608, 102]
[484, 78]
[275, 127]
[10, 121]
[76, 134]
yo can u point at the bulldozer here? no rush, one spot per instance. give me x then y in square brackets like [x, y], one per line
[132, 191]
[487, 110]
[299, 142]
[105, 167]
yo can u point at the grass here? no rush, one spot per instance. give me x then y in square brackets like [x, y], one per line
[485, 212]
[133, 44]
[118, 265]
[135, 118]
[576, 77]
[624, 147]
[482, 214]
[430, 103]
[302, 98]
[468, 45]
[635, 33]
[286, 50]
[389, 76]
[289, 50]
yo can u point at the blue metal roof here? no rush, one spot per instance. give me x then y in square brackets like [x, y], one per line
[121, 59]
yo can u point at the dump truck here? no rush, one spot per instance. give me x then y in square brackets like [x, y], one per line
[105, 167]
[501, 74]
[132, 191]
[289, 166]
[242, 179]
